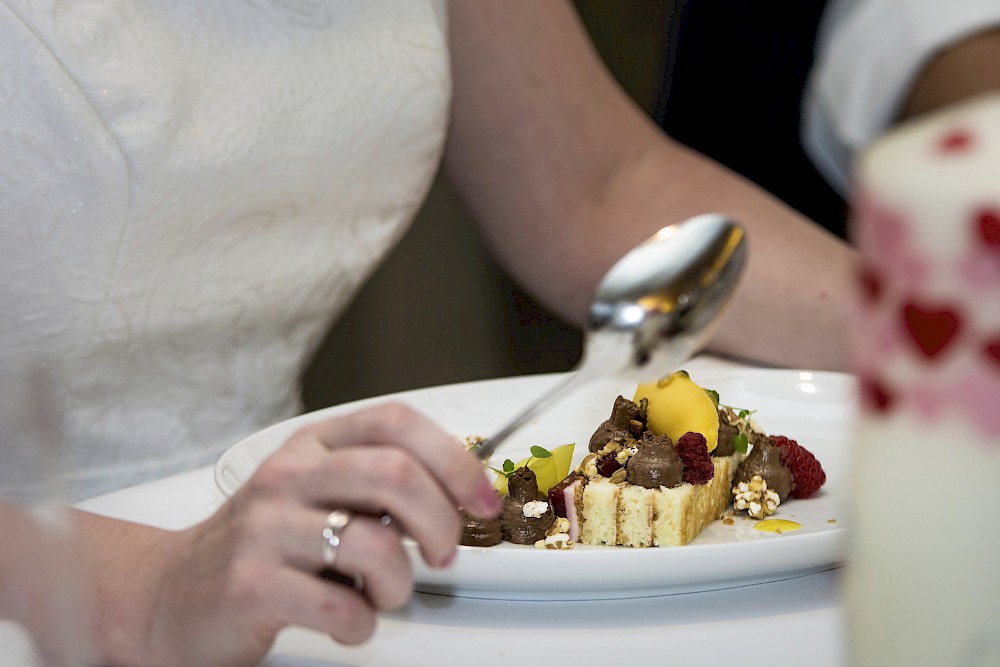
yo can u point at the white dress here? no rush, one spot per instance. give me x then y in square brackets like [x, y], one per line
[189, 193]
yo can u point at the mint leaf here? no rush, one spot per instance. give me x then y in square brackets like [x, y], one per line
[741, 442]
[540, 452]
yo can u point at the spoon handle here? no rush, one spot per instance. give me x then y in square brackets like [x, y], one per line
[488, 446]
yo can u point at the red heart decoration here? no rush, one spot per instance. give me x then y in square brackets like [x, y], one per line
[931, 329]
[955, 141]
[875, 396]
[989, 227]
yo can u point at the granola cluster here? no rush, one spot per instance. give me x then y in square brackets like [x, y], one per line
[755, 498]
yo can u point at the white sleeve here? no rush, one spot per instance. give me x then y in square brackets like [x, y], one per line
[868, 54]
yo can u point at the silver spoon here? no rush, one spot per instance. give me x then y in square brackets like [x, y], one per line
[656, 307]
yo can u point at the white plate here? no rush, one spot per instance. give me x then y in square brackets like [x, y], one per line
[815, 408]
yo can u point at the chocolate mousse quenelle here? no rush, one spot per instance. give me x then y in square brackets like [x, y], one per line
[479, 532]
[767, 462]
[526, 513]
[655, 463]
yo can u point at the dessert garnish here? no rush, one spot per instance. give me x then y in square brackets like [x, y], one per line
[526, 514]
[628, 419]
[480, 532]
[677, 406]
[693, 452]
[556, 537]
[549, 467]
[655, 464]
[807, 472]
[767, 462]
[754, 497]
[777, 526]
[737, 429]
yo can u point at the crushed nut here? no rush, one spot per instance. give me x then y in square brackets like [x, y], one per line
[618, 476]
[625, 453]
[610, 447]
[588, 466]
[754, 497]
[557, 536]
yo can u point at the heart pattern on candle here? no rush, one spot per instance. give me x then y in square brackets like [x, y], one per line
[955, 142]
[875, 395]
[989, 228]
[932, 329]
[928, 284]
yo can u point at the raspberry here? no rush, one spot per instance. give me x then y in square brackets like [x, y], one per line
[693, 452]
[807, 473]
[607, 465]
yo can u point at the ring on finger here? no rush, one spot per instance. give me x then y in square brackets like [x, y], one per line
[336, 522]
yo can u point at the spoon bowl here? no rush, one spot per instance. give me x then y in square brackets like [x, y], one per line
[655, 308]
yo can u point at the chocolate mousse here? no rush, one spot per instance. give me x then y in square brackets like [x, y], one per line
[526, 513]
[727, 436]
[479, 532]
[627, 419]
[655, 464]
[767, 461]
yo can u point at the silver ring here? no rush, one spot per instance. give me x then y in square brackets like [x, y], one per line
[336, 522]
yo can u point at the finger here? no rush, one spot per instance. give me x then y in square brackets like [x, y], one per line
[388, 480]
[299, 598]
[374, 480]
[461, 474]
[368, 548]
[375, 552]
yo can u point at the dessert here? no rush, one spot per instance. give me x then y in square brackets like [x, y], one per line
[661, 468]
[641, 489]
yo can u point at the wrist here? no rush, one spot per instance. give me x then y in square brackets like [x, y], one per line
[127, 567]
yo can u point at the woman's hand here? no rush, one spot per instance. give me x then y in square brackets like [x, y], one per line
[224, 588]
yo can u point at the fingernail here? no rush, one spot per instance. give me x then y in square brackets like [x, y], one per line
[449, 559]
[488, 498]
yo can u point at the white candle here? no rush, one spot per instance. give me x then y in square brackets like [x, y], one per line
[923, 575]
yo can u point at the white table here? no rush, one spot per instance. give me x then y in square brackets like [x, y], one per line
[786, 623]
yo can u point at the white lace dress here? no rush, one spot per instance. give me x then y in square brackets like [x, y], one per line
[189, 193]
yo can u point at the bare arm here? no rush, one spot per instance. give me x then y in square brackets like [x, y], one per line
[565, 173]
[218, 593]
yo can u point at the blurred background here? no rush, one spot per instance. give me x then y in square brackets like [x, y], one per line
[439, 310]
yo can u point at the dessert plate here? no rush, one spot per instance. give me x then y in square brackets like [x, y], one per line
[815, 408]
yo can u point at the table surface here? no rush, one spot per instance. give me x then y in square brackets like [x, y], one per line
[796, 621]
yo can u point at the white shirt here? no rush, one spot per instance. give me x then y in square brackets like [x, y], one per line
[189, 193]
[869, 53]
